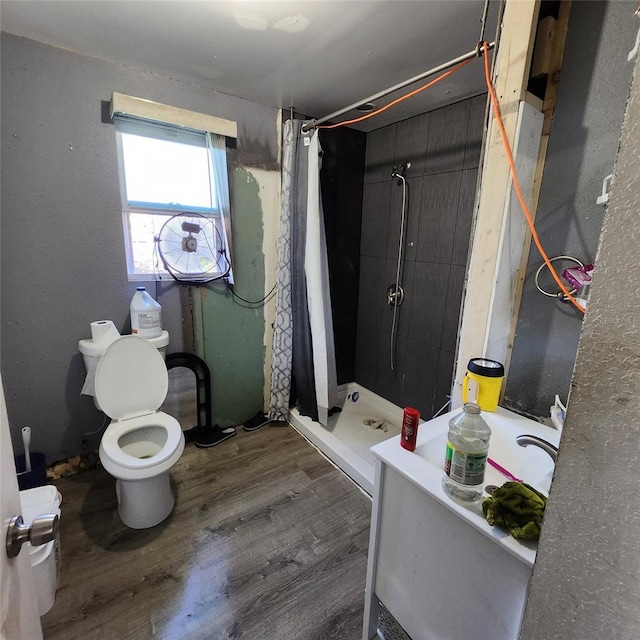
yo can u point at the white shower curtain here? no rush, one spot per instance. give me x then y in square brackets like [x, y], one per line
[316, 268]
[303, 328]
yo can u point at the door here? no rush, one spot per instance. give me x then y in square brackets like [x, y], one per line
[18, 606]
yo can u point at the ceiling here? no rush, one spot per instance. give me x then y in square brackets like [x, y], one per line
[317, 55]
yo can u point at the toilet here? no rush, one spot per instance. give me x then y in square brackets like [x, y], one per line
[140, 444]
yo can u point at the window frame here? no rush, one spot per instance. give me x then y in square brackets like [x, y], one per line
[133, 113]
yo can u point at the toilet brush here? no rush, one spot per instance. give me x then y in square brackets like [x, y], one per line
[26, 441]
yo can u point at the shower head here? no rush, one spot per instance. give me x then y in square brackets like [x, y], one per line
[400, 170]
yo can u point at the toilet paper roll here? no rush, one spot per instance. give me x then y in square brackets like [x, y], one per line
[89, 386]
[104, 332]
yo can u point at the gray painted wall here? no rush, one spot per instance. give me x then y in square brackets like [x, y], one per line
[63, 262]
[593, 90]
[443, 147]
[586, 581]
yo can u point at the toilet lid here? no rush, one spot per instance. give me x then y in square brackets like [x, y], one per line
[131, 378]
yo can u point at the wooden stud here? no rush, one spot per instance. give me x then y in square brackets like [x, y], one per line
[511, 77]
[541, 62]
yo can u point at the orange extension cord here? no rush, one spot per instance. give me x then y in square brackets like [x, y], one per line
[516, 183]
[397, 100]
[505, 143]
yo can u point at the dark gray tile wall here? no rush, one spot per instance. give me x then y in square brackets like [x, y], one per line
[443, 147]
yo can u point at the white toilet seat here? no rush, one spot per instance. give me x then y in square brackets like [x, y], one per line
[111, 440]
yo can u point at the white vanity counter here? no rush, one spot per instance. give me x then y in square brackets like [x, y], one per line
[437, 566]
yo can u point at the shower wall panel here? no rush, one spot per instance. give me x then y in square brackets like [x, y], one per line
[443, 147]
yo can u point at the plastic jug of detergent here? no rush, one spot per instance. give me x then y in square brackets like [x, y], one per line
[146, 315]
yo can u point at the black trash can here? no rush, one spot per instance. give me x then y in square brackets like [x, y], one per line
[37, 477]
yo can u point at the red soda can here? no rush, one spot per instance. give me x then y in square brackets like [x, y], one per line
[410, 421]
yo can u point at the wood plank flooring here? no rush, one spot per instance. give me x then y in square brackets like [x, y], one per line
[267, 541]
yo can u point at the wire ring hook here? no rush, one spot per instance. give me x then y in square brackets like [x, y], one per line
[559, 294]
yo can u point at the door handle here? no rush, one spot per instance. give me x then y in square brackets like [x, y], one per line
[43, 529]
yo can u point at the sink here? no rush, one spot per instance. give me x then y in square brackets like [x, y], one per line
[530, 464]
[423, 469]
[469, 574]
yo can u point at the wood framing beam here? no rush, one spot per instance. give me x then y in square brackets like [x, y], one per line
[515, 235]
[486, 283]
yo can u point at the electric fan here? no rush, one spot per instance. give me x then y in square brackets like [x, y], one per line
[190, 248]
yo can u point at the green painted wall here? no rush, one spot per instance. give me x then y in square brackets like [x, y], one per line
[230, 333]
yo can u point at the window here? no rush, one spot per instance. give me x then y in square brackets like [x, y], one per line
[168, 170]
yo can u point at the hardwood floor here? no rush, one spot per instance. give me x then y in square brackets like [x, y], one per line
[267, 541]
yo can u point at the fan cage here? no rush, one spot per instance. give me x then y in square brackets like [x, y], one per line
[192, 249]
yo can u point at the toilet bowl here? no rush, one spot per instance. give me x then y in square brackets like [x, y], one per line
[140, 444]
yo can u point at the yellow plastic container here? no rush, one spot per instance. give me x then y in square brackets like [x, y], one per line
[487, 376]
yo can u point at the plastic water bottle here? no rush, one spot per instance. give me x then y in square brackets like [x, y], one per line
[146, 315]
[466, 457]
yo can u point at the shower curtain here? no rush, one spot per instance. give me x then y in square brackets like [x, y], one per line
[303, 346]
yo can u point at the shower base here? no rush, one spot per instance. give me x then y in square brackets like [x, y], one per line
[348, 439]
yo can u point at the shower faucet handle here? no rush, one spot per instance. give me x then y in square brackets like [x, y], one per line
[395, 295]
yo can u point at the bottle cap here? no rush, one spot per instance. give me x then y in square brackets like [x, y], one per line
[141, 288]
